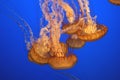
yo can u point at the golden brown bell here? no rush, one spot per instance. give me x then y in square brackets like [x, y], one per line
[38, 55]
[63, 62]
[75, 43]
[100, 32]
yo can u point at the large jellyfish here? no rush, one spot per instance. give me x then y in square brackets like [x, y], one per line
[48, 48]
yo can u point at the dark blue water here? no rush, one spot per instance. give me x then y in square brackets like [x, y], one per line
[99, 60]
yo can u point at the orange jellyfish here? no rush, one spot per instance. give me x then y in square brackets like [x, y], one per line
[39, 53]
[75, 42]
[48, 49]
[90, 30]
[86, 28]
[116, 2]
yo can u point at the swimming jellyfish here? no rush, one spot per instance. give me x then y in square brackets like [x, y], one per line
[87, 28]
[48, 48]
[74, 42]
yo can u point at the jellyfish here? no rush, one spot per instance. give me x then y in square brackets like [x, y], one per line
[75, 42]
[36, 58]
[39, 52]
[86, 27]
[91, 30]
[116, 2]
[47, 49]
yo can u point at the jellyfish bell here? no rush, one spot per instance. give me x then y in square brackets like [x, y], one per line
[93, 33]
[34, 57]
[75, 42]
[116, 2]
[65, 62]
[39, 53]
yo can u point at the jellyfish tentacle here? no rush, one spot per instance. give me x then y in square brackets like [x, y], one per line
[81, 7]
[24, 26]
[69, 11]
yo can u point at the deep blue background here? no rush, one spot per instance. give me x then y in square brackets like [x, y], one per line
[99, 60]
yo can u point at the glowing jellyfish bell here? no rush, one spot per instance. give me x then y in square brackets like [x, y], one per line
[116, 2]
[75, 42]
[63, 62]
[39, 52]
[93, 33]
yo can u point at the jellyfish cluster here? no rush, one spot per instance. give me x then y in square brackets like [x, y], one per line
[48, 49]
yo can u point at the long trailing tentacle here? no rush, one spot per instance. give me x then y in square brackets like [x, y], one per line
[25, 27]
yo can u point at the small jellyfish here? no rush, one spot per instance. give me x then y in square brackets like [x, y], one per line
[86, 27]
[116, 2]
[90, 30]
[75, 42]
[63, 62]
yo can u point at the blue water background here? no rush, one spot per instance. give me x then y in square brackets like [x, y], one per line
[99, 60]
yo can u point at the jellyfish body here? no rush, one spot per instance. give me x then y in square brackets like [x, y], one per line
[116, 2]
[75, 43]
[36, 58]
[97, 34]
[39, 53]
[63, 62]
